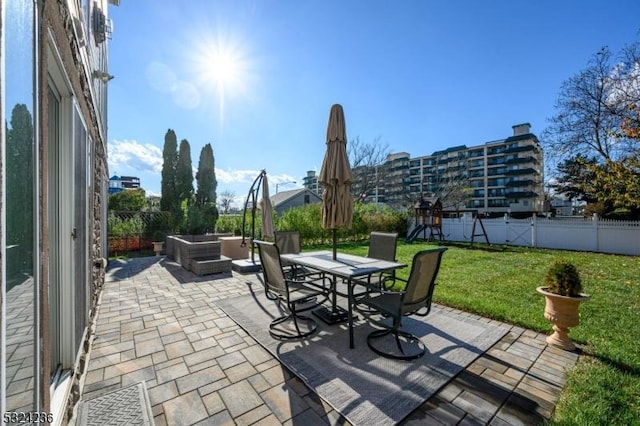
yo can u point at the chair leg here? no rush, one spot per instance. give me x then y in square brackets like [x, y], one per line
[410, 339]
[295, 317]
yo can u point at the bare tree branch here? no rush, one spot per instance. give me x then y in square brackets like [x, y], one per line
[365, 158]
[592, 105]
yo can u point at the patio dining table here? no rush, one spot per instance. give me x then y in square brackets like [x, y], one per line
[349, 267]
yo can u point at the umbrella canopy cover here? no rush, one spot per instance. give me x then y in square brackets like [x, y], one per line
[335, 175]
[267, 209]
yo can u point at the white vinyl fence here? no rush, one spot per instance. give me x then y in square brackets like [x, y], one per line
[596, 235]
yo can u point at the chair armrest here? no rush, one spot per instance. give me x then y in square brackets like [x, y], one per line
[319, 283]
[390, 281]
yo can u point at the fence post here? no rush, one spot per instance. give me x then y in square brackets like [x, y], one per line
[506, 228]
[464, 225]
[595, 231]
[533, 230]
[468, 221]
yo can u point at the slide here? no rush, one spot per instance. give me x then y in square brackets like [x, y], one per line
[414, 234]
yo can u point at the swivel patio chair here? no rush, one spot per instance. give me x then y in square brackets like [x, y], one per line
[382, 245]
[297, 295]
[392, 306]
[289, 242]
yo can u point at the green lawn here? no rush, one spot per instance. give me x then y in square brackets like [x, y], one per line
[500, 282]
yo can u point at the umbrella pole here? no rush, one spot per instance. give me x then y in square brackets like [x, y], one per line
[334, 243]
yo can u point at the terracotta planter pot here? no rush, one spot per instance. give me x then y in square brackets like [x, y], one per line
[563, 312]
[157, 247]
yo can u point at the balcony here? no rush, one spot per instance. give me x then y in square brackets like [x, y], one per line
[521, 183]
[521, 194]
[522, 160]
[528, 171]
[519, 149]
[496, 172]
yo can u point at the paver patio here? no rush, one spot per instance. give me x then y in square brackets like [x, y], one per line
[159, 323]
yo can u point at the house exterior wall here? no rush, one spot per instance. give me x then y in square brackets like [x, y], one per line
[50, 67]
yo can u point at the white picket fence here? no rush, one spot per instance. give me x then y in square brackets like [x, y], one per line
[596, 234]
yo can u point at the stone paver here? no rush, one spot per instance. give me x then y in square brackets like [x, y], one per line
[160, 324]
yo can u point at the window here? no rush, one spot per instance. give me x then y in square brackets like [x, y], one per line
[19, 278]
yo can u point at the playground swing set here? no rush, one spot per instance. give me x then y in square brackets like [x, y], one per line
[428, 218]
[428, 222]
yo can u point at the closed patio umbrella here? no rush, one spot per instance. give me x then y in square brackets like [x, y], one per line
[336, 177]
[267, 209]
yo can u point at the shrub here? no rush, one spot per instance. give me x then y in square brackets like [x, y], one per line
[562, 278]
[229, 223]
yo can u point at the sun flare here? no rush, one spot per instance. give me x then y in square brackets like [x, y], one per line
[222, 66]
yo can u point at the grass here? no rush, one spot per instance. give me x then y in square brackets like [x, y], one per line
[500, 282]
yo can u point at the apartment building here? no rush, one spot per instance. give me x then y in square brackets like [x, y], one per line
[53, 199]
[310, 182]
[497, 177]
[120, 183]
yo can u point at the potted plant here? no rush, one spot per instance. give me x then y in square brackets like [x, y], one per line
[158, 242]
[562, 292]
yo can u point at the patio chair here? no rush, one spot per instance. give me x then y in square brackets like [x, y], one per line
[297, 295]
[392, 306]
[289, 242]
[382, 245]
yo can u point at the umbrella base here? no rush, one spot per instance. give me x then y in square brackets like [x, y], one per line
[332, 316]
[246, 266]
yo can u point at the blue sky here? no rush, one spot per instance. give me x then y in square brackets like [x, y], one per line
[257, 79]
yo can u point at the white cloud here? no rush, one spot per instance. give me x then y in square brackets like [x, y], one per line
[248, 176]
[128, 154]
[236, 176]
[624, 84]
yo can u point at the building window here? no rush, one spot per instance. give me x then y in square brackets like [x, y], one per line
[18, 360]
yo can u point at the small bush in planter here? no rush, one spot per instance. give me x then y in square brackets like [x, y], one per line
[563, 278]
[158, 236]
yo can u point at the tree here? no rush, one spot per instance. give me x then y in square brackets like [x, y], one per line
[226, 199]
[169, 199]
[203, 213]
[184, 173]
[575, 178]
[129, 200]
[19, 191]
[365, 160]
[617, 185]
[592, 107]
[453, 190]
[595, 132]
[631, 125]
[206, 177]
